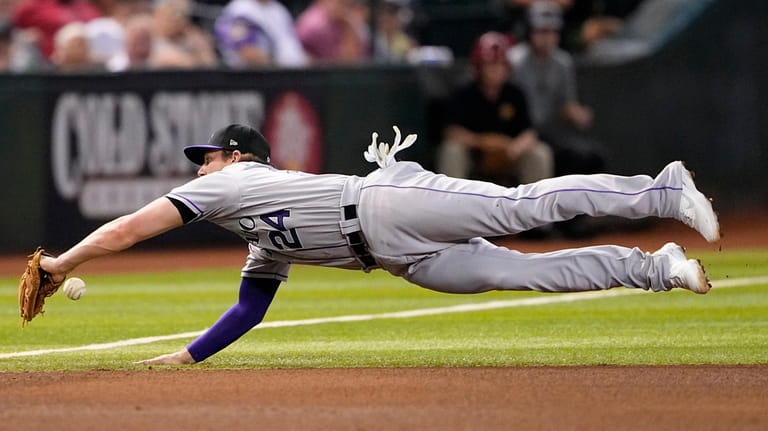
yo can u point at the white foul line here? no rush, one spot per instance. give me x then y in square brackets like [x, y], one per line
[461, 308]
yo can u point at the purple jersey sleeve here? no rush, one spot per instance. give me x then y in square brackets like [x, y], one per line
[255, 297]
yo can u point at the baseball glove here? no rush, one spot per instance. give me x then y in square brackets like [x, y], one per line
[34, 286]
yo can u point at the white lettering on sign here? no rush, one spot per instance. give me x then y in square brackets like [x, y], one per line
[87, 140]
[114, 154]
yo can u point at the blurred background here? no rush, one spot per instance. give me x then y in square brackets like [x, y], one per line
[97, 97]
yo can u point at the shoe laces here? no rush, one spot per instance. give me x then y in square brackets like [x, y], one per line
[384, 155]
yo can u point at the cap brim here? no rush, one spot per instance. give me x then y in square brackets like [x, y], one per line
[196, 153]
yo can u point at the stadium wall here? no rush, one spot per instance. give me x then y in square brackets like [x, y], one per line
[78, 150]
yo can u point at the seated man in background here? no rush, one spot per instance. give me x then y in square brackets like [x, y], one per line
[488, 133]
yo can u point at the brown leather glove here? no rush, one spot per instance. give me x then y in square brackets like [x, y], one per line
[34, 286]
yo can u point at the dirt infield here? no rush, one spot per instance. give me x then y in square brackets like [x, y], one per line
[603, 398]
[542, 398]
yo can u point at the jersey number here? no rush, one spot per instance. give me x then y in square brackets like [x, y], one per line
[282, 237]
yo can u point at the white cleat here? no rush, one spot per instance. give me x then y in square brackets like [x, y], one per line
[684, 273]
[696, 210]
[676, 252]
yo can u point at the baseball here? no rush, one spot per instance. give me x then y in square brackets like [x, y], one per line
[74, 288]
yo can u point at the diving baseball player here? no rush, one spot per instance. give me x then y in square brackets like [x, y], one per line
[425, 227]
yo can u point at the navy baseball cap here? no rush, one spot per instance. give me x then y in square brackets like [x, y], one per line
[230, 138]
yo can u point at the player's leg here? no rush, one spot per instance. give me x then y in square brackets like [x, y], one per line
[479, 266]
[401, 202]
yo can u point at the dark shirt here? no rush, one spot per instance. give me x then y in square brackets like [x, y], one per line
[470, 109]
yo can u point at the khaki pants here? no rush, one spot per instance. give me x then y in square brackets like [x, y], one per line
[455, 160]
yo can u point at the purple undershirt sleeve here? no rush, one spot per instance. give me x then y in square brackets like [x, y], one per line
[255, 297]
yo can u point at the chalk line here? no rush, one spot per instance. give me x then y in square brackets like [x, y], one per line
[461, 308]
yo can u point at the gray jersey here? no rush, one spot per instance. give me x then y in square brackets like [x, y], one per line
[286, 216]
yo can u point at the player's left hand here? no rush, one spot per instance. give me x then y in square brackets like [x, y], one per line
[182, 357]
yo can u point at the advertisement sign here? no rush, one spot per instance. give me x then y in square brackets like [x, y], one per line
[113, 143]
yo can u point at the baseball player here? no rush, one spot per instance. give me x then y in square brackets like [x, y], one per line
[425, 227]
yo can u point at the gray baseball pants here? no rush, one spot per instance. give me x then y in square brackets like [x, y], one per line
[429, 229]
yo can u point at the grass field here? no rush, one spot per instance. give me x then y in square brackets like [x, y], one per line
[621, 327]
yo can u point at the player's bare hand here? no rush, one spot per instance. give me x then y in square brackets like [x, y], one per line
[50, 265]
[182, 357]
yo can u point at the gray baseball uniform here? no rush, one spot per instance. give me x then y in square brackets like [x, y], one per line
[428, 228]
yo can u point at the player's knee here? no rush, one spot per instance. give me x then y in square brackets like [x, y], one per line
[457, 284]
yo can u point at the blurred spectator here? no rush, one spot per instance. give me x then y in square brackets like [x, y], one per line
[488, 133]
[258, 32]
[46, 17]
[106, 34]
[392, 43]
[6, 45]
[178, 42]
[335, 30]
[6, 8]
[21, 51]
[105, 38]
[547, 76]
[515, 13]
[590, 21]
[70, 49]
[137, 49]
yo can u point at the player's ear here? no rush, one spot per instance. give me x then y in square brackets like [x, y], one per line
[236, 156]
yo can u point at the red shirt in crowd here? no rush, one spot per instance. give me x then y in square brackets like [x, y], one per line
[48, 16]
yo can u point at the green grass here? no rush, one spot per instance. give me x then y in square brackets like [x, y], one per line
[726, 326]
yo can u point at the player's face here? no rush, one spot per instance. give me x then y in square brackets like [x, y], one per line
[214, 161]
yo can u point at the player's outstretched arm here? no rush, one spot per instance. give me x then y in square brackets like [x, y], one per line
[182, 357]
[256, 295]
[153, 219]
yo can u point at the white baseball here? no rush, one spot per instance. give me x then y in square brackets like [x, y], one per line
[74, 288]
